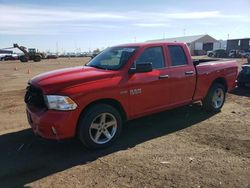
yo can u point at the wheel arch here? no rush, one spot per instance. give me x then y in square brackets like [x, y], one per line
[109, 101]
[221, 81]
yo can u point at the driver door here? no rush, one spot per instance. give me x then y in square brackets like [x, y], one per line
[147, 90]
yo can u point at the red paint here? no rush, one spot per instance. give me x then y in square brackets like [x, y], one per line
[87, 84]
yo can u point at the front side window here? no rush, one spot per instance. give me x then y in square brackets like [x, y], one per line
[112, 58]
[177, 55]
[152, 55]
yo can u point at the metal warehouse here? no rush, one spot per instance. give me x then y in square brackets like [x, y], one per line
[198, 44]
[238, 44]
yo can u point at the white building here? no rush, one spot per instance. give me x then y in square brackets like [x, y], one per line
[198, 44]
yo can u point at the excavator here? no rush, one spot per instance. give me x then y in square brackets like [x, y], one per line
[31, 54]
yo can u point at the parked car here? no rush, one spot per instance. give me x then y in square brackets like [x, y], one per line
[219, 53]
[52, 56]
[243, 79]
[244, 53]
[239, 53]
[9, 57]
[2, 57]
[95, 53]
[124, 82]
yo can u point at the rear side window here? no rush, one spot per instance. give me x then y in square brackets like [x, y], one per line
[177, 55]
[152, 55]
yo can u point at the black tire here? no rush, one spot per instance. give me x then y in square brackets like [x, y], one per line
[85, 132]
[24, 59]
[37, 58]
[208, 103]
[241, 85]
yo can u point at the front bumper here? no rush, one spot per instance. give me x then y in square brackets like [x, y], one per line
[52, 124]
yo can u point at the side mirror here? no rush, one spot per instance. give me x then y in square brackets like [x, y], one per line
[196, 62]
[142, 67]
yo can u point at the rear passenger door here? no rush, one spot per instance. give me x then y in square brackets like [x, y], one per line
[182, 76]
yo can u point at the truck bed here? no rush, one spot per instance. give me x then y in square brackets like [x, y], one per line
[205, 60]
[208, 69]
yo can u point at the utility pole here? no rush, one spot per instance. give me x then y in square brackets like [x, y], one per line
[56, 47]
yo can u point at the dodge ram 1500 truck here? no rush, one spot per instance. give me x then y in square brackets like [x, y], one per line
[122, 83]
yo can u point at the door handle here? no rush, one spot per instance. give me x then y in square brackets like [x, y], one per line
[189, 73]
[163, 76]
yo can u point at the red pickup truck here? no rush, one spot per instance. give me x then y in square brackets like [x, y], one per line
[122, 83]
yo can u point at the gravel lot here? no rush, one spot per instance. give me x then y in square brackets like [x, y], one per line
[184, 147]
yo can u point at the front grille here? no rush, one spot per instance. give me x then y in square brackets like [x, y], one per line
[34, 97]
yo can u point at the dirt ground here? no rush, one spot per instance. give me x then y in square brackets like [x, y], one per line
[184, 147]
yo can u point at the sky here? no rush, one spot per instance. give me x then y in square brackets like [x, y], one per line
[77, 25]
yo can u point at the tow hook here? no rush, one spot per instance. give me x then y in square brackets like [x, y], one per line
[55, 132]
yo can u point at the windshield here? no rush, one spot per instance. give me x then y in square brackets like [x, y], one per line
[112, 58]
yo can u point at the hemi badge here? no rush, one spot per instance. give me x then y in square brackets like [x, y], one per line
[123, 92]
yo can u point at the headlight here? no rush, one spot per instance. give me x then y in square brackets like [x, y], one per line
[56, 102]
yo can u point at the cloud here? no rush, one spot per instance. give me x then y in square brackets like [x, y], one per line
[35, 14]
[27, 20]
[151, 25]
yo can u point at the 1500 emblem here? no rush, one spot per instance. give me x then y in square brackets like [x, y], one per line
[135, 91]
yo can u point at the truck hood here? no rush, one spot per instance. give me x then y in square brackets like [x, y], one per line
[54, 81]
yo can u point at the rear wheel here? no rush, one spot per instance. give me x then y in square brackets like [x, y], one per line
[100, 126]
[215, 98]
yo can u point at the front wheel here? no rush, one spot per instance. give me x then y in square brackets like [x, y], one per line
[100, 126]
[215, 98]
[37, 58]
[210, 55]
[24, 59]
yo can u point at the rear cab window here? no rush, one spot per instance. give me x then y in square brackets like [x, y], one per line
[177, 55]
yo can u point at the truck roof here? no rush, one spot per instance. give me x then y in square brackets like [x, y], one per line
[150, 44]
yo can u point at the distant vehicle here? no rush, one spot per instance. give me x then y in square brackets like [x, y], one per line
[82, 54]
[95, 53]
[219, 53]
[52, 56]
[88, 55]
[233, 53]
[243, 79]
[244, 53]
[31, 54]
[11, 57]
[123, 83]
[8, 57]
[2, 56]
[239, 53]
